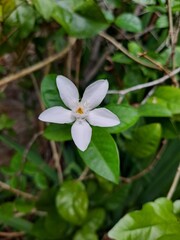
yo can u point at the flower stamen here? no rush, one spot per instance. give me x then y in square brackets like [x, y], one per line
[80, 110]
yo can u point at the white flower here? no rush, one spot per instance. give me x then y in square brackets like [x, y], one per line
[82, 113]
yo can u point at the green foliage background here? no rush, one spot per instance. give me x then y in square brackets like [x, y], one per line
[118, 188]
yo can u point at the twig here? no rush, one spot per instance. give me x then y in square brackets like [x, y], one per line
[11, 234]
[27, 149]
[125, 51]
[37, 66]
[174, 184]
[145, 85]
[17, 192]
[149, 168]
[161, 68]
[97, 66]
[56, 157]
[171, 30]
[84, 174]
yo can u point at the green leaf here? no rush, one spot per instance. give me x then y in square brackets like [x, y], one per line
[145, 140]
[72, 202]
[95, 219]
[85, 233]
[40, 181]
[127, 115]
[145, 2]
[49, 91]
[154, 109]
[129, 22]
[102, 155]
[162, 22]
[121, 58]
[171, 95]
[170, 237]
[176, 206]
[156, 219]
[82, 18]
[23, 16]
[44, 9]
[32, 156]
[5, 122]
[7, 8]
[58, 132]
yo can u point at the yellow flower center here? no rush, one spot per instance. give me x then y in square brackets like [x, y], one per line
[80, 110]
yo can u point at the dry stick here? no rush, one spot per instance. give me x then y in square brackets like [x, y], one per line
[37, 66]
[83, 174]
[149, 168]
[174, 184]
[56, 157]
[11, 234]
[125, 51]
[27, 149]
[17, 191]
[161, 68]
[171, 29]
[145, 85]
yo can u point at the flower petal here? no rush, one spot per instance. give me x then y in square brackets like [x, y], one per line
[102, 117]
[68, 91]
[81, 133]
[57, 115]
[95, 93]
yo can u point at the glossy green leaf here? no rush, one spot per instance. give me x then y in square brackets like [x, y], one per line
[145, 140]
[102, 155]
[58, 132]
[23, 16]
[49, 91]
[72, 202]
[171, 95]
[154, 110]
[95, 219]
[85, 233]
[127, 115]
[44, 9]
[155, 220]
[129, 22]
[80, 18]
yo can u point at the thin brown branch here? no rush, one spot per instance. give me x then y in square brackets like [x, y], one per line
[161, 68]
[37, 66]
[171, 29]
[125, 51]
[27, 149]
[148, 168]
[57, 157]
[11, 234]
[145, 85]
[17, 192]
[84, 174]
[174, 183]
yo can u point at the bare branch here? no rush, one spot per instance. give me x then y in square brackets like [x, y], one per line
[145, 85]
[37, 66]
[125, 51]
[18, 192]
[174, 184]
